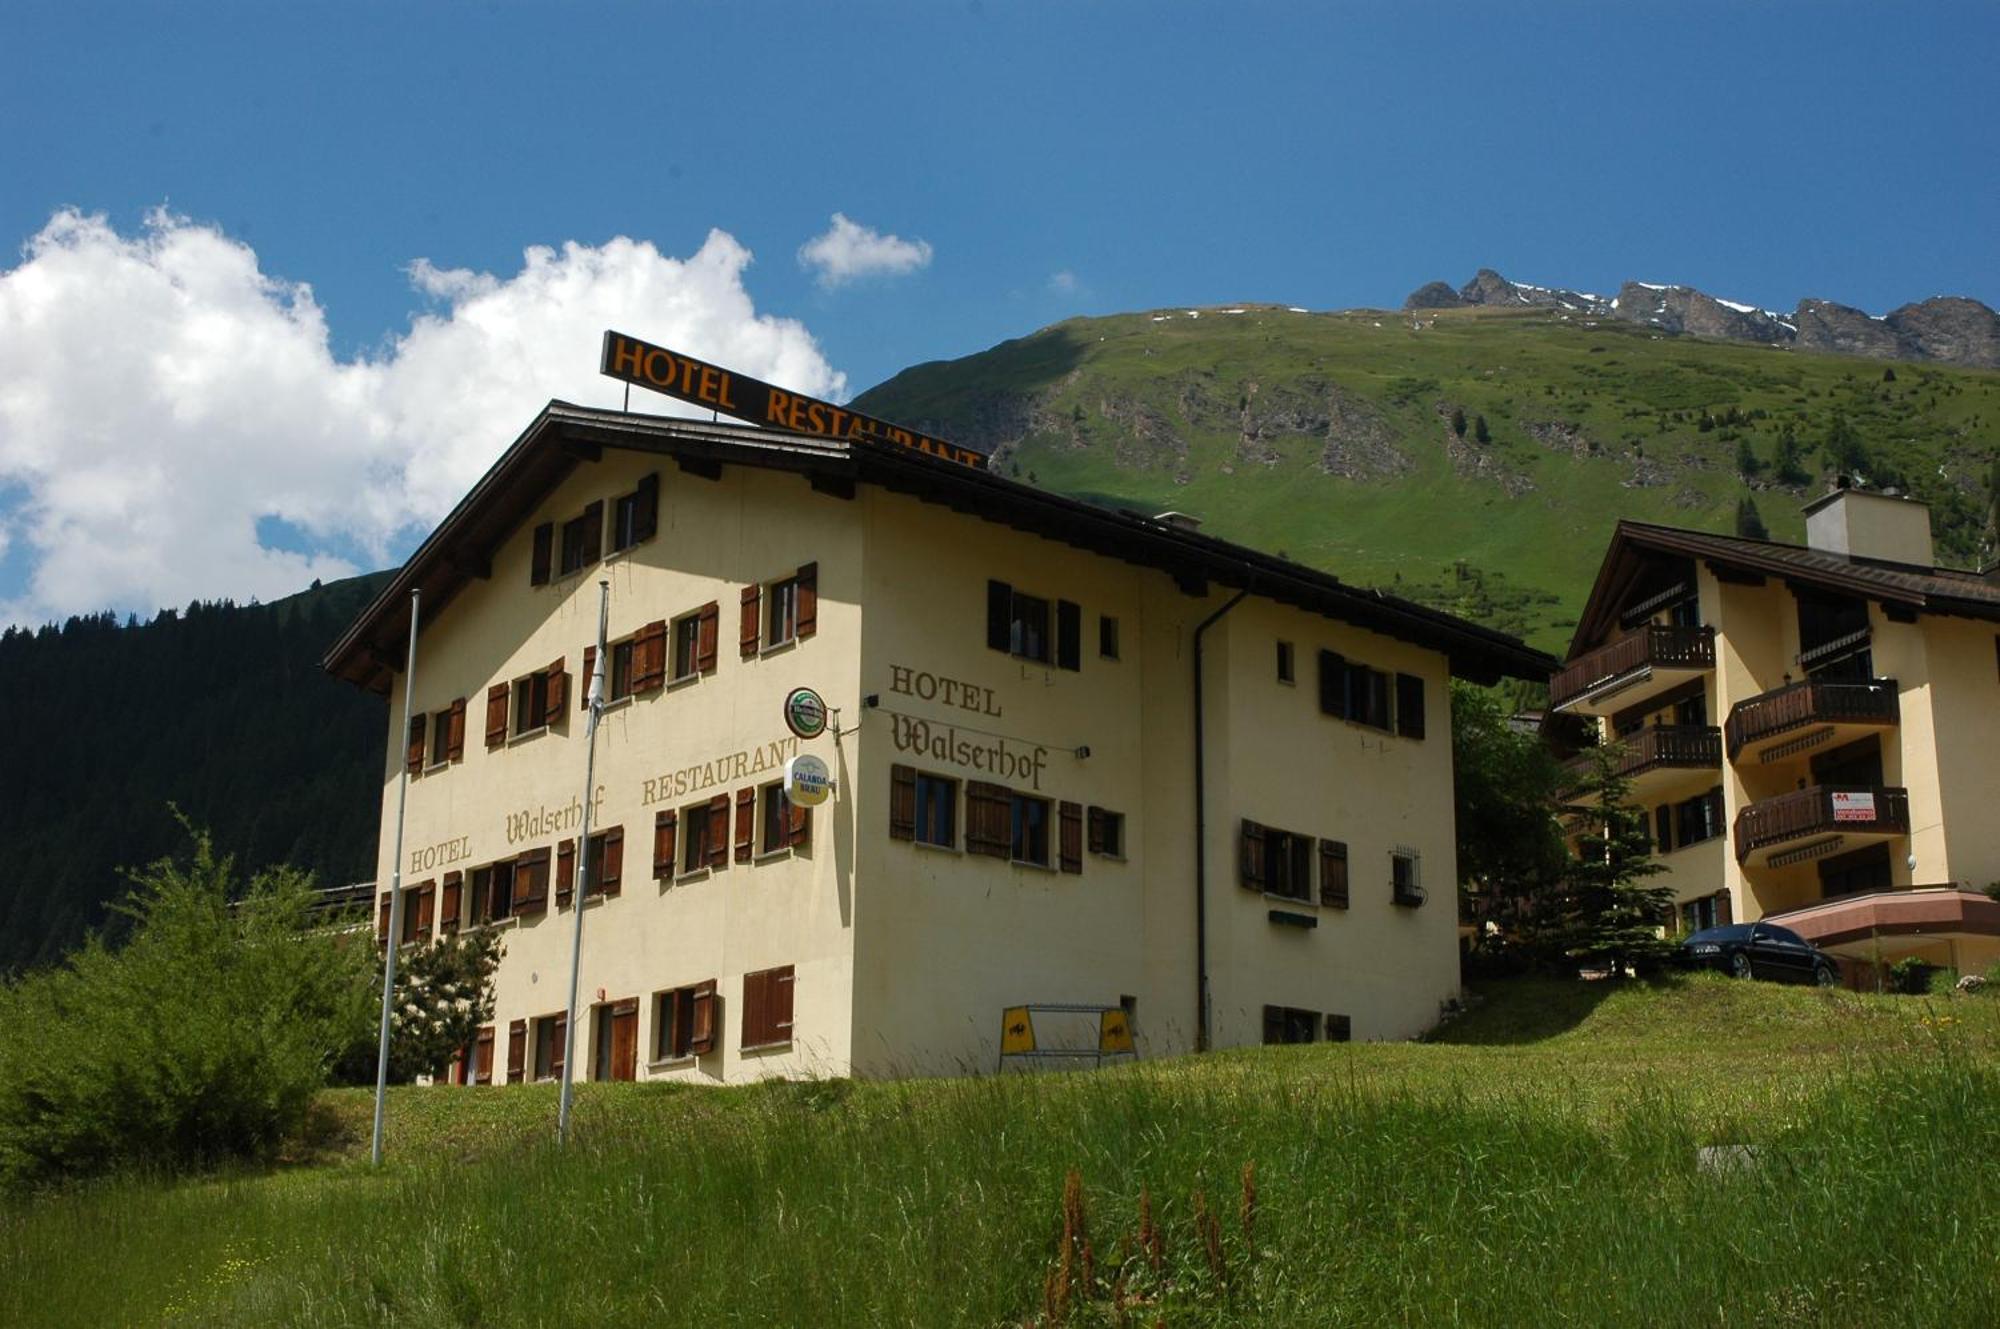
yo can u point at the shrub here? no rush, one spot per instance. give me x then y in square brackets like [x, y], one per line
[203, 1037]
[1910, 976]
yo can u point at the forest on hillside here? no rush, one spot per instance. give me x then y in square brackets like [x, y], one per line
[218, 709]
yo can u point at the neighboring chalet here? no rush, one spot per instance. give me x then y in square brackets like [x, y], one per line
[1080, 756]
[1815, 731]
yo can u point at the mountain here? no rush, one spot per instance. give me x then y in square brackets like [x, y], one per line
[1473, 456]
[1947, 329]
[220, 709]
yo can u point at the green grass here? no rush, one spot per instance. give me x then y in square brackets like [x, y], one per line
[1535, 1163]
[1066, 400]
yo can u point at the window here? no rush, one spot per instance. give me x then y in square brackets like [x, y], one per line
[1289, 1024]
[705, 835]
[615, 1049]
[687, 646]
[1698, 915]
[684, 1022]
[1107, 832]
[923, 807]
[493, 892]
[441, 736]
[618, 678]
[539, 700]
[1030, 628]
[635, 517]
[1285, 674]
[781, 612]
[1275, 862]
[582, 538]
[1029, 818]
[1353, 691]
[1409, 706]
[1677, 825]
[550, 1032]
[1107, 636]
[767, 1007]
[1404, 887]
[1339, 1029]
[781, 823]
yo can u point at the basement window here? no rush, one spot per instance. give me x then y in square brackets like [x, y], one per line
[1290, 1024]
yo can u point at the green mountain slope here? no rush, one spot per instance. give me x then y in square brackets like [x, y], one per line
[219, 708]
[1331, 438]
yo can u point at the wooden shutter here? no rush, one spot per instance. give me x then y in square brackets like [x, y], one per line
[454, 741]
[649, 656]
[451, 902]
[999, 616]
[746, 824]
[715, 842]
[558, 701]
[583, 690]
[382, 917]
[987, 814]
[517, 1050]
[496, 715]
[711, 616]
[1251, 858]
[1069, 635]
[482, 899]
[565, 873]
[798, 824]
[1725, 907]
[624, 1017]
[482, 1056]
[531, 882]
[413, 753]
[593, 524]
[701, 1037]
[902, 803]
[778, 995]
[1409, 706]
[1333, 873]
[646, 508]
[1071, 849]
[807, 612]
[558, 1044]
[611, 865]
[746, 636]
[663, 842]
[545, 542]
[426, 909]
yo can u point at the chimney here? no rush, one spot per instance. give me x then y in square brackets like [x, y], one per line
[1863, 523]
[1180, 521]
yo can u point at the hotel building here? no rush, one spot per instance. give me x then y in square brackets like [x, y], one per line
[1814, 730]
[1080, 756]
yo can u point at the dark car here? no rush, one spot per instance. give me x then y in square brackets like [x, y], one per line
[1760, 950]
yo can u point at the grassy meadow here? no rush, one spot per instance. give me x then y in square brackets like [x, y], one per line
[1535, 1163]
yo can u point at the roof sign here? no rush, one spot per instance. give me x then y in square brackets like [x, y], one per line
[690, 380]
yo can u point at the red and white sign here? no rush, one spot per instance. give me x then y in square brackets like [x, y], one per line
[1853, 807]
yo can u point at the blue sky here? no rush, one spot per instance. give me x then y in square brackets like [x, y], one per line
[1050, 160]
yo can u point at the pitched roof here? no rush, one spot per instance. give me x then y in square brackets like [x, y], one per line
[1908, 585]
[461, 547]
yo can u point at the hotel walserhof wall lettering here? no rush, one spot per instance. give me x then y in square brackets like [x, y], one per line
[690, 380]
[427, 858]
[721, 769]
[940, 740]
[553, 819]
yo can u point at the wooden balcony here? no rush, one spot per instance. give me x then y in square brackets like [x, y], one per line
[1660, 759]
[1801, 717]
[1815, 823]
[1648, 660]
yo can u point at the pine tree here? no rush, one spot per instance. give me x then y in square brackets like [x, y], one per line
[1480, 432]
[1749, 522]
[1608, 915]
[1458, 421]
[1748, 464]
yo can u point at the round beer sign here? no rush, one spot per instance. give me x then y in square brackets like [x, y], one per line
[805, 713]
[807, 780]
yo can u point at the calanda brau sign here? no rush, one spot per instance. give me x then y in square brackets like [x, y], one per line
[696, 381]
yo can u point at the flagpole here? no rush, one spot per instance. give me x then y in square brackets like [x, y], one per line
[582, 879]
[395, 886]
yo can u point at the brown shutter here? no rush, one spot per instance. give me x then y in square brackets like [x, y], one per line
[756, 989]
[1725, 907]
[482, 1056]
[649, 656]
[701, 1039]
[646, 508]
[711, 615]
[1252, 856]
[902, 803]
[451, 902]
[454, 741]
[382, 917]
[1072, 837]
[716, 840]
[531, 882]
[808, 602]
[583, 692]
[565, 873]
[779, 1003]
[545, 541]
[746, 637]
[482, 894]
[559, 1040]
[426, 910]
[746, 824]
[558, 693]
[1333, 873]
[593, 522]
[798, 824]
[613, 865]
[663, 842]
[496, 715]
[413, 754]
[987, 809]
[517, 1050]
[624, 1017]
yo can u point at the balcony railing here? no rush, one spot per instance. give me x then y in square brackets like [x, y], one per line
[1693, 746]
[1810, 702]
[1822, 810]
[1648, 646]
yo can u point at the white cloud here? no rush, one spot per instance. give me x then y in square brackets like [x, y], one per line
[1063, 282]
[848, 251]
[160, 394]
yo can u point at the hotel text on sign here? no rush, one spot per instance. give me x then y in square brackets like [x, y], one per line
[688, 379]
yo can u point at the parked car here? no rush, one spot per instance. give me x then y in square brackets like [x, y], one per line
[1760, 950]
